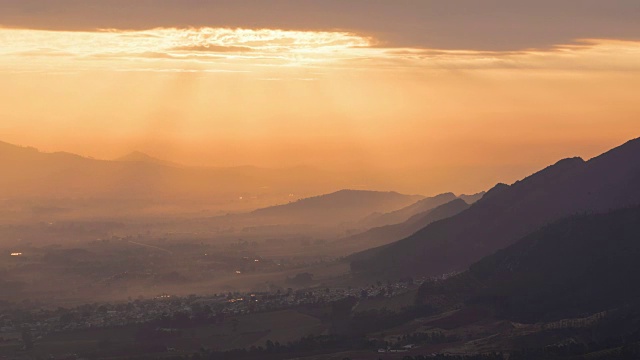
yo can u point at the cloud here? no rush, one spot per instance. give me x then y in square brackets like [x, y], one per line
[213, 49]
[43, 52]
[242, 50]
[192, 48]
[436, 24]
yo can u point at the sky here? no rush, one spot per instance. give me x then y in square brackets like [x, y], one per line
[450, 95]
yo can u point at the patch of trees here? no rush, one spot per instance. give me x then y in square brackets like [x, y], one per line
[493, 356]
[616, 336]
[423, 338]
[301, 279]
[200, 315]
[377, 320]
[416, 339]
[629, 351]
[307, 345]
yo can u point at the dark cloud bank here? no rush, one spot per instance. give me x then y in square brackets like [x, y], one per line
[444, 24]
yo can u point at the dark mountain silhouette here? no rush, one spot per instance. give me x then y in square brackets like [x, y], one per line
[497, 189]
[389, 233]
[507, 213]
[339, 207]
[402, 215]
[572, 268]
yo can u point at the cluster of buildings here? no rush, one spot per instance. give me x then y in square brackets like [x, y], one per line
[41, 321]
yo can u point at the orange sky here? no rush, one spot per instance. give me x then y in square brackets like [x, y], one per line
[330, 99]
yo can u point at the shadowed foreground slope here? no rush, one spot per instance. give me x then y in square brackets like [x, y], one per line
[572, 268]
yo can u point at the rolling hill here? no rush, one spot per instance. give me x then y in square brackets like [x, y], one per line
[338, 207]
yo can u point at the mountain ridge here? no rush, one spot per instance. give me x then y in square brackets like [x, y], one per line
[403, 214]
[509, 212]
[386, 234]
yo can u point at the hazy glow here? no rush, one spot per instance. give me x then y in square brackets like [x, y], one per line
[217, 49]
[330, 99]
[191, 47]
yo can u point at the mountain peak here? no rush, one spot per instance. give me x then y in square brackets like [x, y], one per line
[497, 189]
[138, 156]
[472, 198]
[135, 156]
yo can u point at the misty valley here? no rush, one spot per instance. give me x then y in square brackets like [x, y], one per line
[541, 268]
[319, 180]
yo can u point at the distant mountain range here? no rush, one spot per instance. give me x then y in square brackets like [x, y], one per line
[139, 184]
[509, 212]
[30, 174]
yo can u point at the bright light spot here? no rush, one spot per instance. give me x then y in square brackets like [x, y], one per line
[16, 254]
